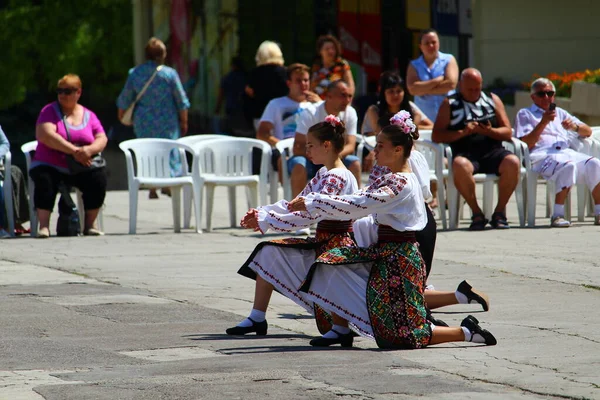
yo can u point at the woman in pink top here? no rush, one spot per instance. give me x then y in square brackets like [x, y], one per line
[49, 165]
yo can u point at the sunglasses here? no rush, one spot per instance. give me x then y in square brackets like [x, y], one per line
[541, 93]
[66, 91]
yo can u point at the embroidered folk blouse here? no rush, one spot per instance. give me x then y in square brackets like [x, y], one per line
[277, 217]
[394, 199]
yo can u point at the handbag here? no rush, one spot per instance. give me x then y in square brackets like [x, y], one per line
[68, 223]
[74, 166]
[127, 118]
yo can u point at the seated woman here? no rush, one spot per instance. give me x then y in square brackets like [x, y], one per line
[19, 194]
[49, 166]
[380, 289]
[283, 264]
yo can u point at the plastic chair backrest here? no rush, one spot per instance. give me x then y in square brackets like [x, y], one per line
[192, 140]
[231, 157]
[285, 147]
[152, 156]
[27, 148]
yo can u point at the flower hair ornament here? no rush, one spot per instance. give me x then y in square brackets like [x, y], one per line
[403, 120]
[333, 120]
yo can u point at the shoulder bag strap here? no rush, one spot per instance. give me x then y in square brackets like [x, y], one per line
[141, 93]
[64, 120]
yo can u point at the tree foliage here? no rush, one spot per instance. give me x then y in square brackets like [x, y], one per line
[42, 40]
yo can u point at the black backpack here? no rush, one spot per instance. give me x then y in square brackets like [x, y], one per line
[68, 218]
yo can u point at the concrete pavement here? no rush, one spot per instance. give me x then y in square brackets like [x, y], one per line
[142, 317]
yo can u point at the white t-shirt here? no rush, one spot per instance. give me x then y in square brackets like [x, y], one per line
[316, 113]
[282, 113]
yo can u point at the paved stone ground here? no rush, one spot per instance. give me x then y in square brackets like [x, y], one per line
[143, 317]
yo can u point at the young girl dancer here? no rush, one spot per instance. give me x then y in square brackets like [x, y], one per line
[380, 289]
[283, 264]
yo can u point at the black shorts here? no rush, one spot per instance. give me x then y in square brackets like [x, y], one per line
[488, 163]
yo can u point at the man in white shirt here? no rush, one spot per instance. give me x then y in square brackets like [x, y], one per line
[279, 118]
[337, 102]
[547, 130]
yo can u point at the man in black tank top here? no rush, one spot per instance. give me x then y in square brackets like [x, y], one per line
[475, 124]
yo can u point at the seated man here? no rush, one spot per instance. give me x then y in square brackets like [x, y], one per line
[547, 129]
[278, 121]
[337, 102]
[474, 123]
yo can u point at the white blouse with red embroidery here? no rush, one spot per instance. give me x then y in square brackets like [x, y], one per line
[394, 199]
[277, 217]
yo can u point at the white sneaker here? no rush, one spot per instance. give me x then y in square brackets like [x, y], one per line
[303, 231]
[559, 222]
[4, 234]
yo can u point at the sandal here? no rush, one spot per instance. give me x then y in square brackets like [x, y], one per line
[499, 221]
[478, 222]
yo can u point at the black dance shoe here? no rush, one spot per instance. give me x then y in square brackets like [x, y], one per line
[259, 327]
[474, 295]
[434, 321]
[472, 324]
[345, 340]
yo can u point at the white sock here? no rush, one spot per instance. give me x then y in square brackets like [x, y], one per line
[429, 287]
[596, 209]
[559, 210]
[472, 337]
[461, 297]
[343, 330]
[256, 315]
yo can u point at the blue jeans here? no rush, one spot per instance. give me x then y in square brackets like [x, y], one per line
[311, 169]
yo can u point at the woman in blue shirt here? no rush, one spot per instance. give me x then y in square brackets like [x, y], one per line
[432, 76]
[162, 112]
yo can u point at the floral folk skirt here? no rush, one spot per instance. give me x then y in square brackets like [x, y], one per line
[378, 289]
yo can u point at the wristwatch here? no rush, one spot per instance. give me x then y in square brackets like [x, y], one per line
[576, 128]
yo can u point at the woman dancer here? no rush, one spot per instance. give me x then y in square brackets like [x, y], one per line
[283, 264]
[380, 289]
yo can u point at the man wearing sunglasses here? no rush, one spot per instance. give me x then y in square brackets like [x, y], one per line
[548, 130]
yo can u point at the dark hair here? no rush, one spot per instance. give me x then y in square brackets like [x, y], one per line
[427, 32]
[329, 38]
[326, 131]
[388, 80]
[334, 85]
[396, 135]
[297, 67]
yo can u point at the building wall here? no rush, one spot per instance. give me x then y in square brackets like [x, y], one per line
[514, 39]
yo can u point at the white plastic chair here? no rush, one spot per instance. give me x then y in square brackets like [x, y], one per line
[456, 203]
[187, 190]
[229, 163]
[588, 146]
[27, 149]
[285, 147]
[7, 188]
[152, 170]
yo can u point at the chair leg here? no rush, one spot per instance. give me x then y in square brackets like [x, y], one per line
[273, 186]
[520, 202]
[176, 204]
[531, 199]
[254, 195]
[187, 206]
[581, 195]
[488, 198]
[198, 206]
[133, 204]
[441, 195]
[568, 206]
[550, 195]
[8, 203]
[210, 198]
[590, 204]
[33, 220]
[232, 205]
[100, 218]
